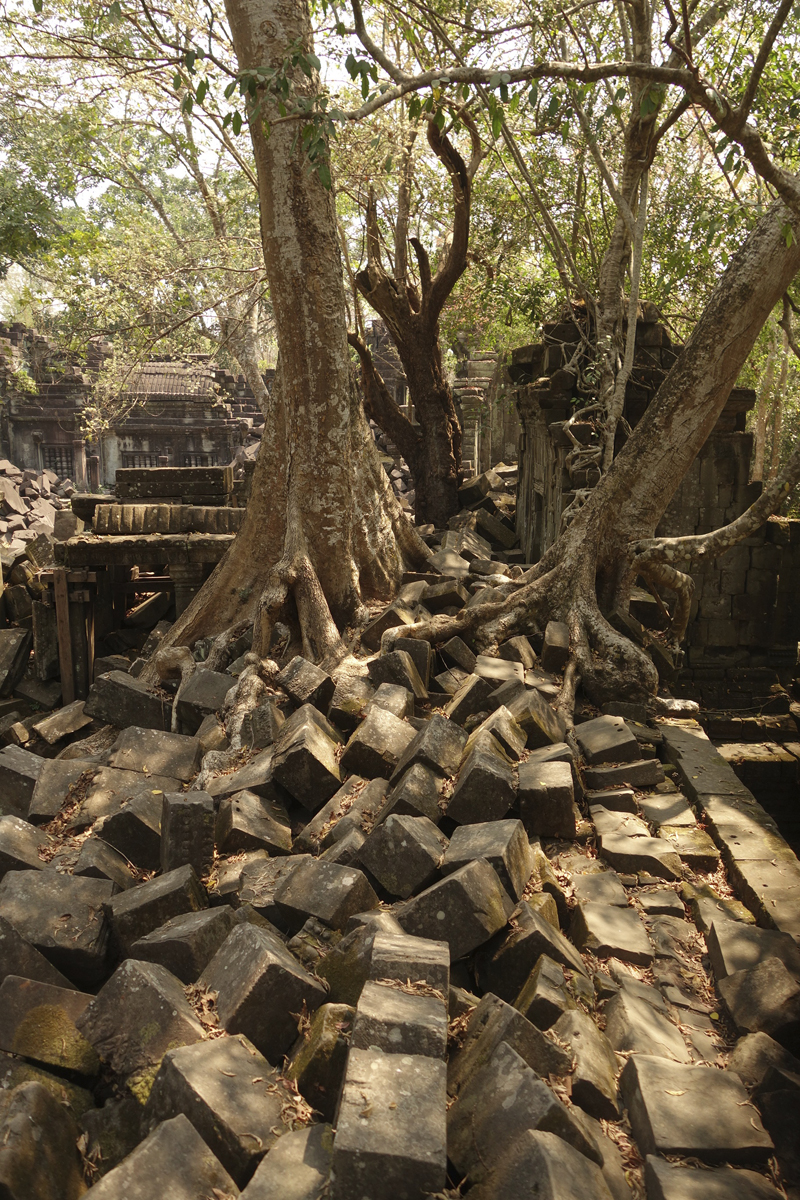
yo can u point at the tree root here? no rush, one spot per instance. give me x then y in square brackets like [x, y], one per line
[604, 662]
[249, 693]
[257, 680]
[219, 654]
[174, 662]
[294, 595]
[660, 574]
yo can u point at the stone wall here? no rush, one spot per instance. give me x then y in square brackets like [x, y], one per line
[745, 621]
[742, 640]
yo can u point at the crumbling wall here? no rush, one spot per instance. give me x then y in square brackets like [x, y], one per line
[745, 622]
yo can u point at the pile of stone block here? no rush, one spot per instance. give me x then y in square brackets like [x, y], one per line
[415, 937]
[396, 468]
[30, 504]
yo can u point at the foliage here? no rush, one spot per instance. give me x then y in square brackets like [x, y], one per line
[158, 93]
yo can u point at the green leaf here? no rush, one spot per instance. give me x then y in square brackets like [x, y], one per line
[202, 89]
[533, 95]
[387, 166]
[497, 124]
[189, 58]
[414, 107]
[177, 81]
[351, 66]
[787, 233]
[439, 118]
[494, 80]
[504, 93]
[315, 63]
[324, 173]
[115, 13]
[38, 5]
[237, 122]
[187, 102]
[229, 90]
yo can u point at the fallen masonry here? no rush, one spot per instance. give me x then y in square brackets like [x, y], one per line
[410, 937]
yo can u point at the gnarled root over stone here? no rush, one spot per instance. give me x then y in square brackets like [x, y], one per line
[607, 664]
[174, 662]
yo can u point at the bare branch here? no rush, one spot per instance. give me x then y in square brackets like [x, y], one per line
[762, 58]
[785, 324]
[380, 405]
[698, 548]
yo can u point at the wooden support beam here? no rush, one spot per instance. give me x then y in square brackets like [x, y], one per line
[72, 576]
[64, 635]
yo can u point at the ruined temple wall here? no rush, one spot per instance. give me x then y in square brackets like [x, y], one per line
[745, 620]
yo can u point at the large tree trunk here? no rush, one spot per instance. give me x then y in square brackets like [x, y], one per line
[323, 531]
[438, 459]
[431, 446]
[589, 570]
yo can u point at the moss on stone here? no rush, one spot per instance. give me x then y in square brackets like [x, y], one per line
[48, 1035]
[140, 1083]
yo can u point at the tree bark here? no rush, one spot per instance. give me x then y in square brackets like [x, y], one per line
[764, 392]
[323, 531]
[432, 448]
[780, 395]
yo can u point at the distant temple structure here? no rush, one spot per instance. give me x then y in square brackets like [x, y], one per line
[173, 412]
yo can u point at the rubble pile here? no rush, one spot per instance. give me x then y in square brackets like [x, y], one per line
[395, 932]
[30, 502]
[396, 468]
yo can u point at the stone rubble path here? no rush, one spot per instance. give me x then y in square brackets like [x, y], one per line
[410, 944]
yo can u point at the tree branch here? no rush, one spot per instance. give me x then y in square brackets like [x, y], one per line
[380, 405]
[746, 103]
[785, 324]
[455, 260]
[698, 548]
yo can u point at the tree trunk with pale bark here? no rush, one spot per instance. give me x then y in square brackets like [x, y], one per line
[323, 532]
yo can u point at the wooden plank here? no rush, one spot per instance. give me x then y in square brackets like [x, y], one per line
[72, 577]
[147, 583]
[64, 635]
[80, 649]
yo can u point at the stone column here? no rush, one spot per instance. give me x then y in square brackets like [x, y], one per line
[38, 438]
[93, 468]
[79, 462]
[188, 579]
